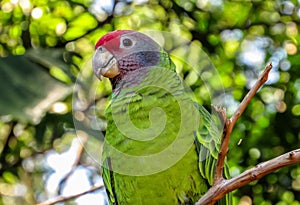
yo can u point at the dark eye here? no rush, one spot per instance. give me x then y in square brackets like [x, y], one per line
[127, 42]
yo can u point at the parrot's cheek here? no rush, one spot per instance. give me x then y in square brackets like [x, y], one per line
[105, 64]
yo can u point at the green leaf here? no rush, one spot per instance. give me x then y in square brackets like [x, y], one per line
[9, 177]
[80, 26]
[27, 90]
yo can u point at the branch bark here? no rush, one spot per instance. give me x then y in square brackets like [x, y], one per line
[66, 198]
[82, 140]
[229, 123]
[225, 186]
[222, 186]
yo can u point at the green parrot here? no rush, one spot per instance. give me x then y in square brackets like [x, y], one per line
[160, 146]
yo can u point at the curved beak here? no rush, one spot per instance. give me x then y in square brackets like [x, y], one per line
[104, 63]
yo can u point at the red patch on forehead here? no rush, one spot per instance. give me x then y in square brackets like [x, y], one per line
[110, 36]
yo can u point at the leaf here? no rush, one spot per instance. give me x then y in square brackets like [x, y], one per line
[27, 90]
[80, 26]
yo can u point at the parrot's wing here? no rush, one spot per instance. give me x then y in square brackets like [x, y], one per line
[208, 141]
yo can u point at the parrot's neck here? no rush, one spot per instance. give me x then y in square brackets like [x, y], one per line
[135, 68]
[131, 79]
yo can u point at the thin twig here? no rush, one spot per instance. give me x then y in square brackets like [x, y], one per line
[260, 81]
[229, 123]
[219, 190]
[66, 198]
[81, 142]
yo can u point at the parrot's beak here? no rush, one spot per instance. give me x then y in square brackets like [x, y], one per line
[104, 63]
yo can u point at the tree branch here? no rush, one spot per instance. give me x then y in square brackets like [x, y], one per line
[229, 123]
[219, 190]
[82, 140]
[66, 198]
[222, 186]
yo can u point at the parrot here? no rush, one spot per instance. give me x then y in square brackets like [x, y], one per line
[160, 146]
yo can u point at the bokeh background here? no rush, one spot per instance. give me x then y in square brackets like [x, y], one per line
[52, 108]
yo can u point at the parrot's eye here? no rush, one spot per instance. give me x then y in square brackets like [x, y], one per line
[100, 48]
[127, 42]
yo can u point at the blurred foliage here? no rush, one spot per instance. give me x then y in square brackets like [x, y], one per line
[45, 45]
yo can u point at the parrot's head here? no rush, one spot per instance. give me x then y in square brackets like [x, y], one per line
[124, 53]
